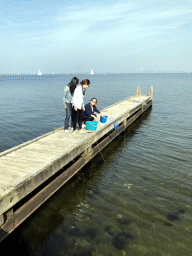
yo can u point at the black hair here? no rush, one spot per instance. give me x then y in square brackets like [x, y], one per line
[72, 85]
[85, 81]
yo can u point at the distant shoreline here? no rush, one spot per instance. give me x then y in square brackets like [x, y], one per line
[60, 74]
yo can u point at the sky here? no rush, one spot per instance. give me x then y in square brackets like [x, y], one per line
[108, 36]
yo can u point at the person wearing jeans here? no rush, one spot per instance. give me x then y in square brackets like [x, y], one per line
[78, 104]
[68, 116]
[67, 100]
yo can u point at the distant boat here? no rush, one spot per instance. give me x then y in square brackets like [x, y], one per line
[92, 73]
[39, 74]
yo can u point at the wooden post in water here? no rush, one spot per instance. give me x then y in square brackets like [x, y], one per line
[150, 93]
[138, 91]
[1, 220]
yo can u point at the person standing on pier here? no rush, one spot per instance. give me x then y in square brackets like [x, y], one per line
[78, 104]
[67, 100]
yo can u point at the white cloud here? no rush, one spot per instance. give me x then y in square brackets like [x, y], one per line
[96, 13]
[123, 24]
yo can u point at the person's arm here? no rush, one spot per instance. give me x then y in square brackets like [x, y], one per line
[96, 110]
[64, 95]
[82, 105]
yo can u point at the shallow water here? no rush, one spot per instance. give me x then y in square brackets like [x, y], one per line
[133, 198]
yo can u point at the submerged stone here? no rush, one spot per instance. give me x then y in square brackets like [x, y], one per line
[124, 221]
[91, 233]
[121, 240]
[67, 224]
[175, 215]
[168, 224]
[110, 230]
[96, 191]
[83, 251]
[181, 211]
[98, 241]
[75, 231]
[89, 195]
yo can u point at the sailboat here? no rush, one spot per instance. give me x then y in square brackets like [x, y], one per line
[39, 73]
[92, 73]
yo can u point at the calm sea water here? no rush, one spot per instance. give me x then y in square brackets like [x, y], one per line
[137, 201]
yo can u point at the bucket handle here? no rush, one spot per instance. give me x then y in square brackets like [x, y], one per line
[93, 125]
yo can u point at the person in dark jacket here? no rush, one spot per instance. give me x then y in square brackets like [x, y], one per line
[90, 111]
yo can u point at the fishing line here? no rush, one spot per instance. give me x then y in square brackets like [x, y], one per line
[116, 127]
[94, 133]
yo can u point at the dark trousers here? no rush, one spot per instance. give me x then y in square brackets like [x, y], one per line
[87, 118]
[68, 115]
[76, 117]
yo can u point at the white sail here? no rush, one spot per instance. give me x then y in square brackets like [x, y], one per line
[39, 73]
[92, 73]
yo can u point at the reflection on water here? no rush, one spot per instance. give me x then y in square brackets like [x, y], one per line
[135, 202]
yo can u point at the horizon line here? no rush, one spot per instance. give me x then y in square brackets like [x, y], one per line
[79, 73]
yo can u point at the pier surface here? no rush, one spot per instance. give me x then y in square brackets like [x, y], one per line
[26, 167]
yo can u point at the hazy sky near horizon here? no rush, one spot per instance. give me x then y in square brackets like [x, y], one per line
[106, 36]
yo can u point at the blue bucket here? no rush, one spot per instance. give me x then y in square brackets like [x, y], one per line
[91, 125]
[103, 119]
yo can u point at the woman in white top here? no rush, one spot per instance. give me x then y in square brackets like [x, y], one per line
[67, 100]
[78, 103]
